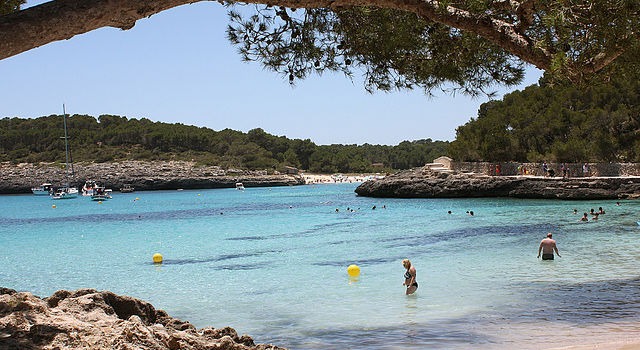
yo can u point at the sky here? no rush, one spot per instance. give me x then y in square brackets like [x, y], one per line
[178, 67]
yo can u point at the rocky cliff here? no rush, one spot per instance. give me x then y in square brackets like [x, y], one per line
[424, 183]
[89, 319]
[168, 175]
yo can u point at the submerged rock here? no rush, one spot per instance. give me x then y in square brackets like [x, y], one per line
[91, 319]
[423, 183]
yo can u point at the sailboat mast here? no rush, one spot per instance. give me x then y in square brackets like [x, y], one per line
[66, 140]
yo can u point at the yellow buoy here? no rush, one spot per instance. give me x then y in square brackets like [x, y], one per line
[353, 270]
[53, 206]
[157, 258]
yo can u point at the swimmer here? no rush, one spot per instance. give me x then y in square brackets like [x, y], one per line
[584, 217]
[547, 247]
[409, 277]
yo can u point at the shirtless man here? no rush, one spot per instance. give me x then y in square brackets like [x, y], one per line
[547, 247]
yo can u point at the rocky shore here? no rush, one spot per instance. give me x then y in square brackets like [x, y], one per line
[90, 319]
[426, 183]
[166, 175]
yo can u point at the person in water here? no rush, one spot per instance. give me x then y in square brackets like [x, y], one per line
[547, 247]
[409, 277]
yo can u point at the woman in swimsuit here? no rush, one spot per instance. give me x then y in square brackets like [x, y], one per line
[409, 277]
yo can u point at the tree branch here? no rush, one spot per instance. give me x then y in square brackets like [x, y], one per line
[63, 19]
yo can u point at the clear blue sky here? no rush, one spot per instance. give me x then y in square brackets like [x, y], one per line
[178, 67]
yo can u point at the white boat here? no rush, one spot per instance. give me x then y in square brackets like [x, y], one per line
[239, 186]
[87, 188]
[66, 192]
[127, 188]
[100, 194]
[46, 189]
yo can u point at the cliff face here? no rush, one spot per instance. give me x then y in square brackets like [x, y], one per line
[422, 183]
[142, 175]
[89, 319]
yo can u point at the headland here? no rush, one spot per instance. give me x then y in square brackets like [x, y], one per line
[157, 175]
[427, 183]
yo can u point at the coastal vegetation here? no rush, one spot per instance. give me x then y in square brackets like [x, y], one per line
[115, 138]
[597, 123]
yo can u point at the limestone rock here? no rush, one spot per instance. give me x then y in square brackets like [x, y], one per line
[91, 319]
[157, 175]
[421, 183]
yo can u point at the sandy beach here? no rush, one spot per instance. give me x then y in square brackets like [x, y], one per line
[337, 178]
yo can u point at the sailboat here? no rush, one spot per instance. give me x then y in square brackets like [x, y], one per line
[66, 192]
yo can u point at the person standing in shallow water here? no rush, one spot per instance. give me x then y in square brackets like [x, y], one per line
[547, 247]
[409, 277]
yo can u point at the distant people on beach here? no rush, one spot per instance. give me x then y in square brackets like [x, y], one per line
[547, 247]
[585, 169]
[409, 277]
[545, 169]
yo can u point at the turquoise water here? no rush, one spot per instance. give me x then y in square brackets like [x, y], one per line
[271, 263]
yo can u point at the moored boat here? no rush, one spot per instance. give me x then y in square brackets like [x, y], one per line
[65, 193]
[100, 194]
[87, 188]
[239, 186]
[45, 189]
[127, 188]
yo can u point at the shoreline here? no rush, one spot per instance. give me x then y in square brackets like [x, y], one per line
[425, 183]
[313, 179]
[165, 175]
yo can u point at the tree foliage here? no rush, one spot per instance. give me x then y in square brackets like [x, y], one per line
[465, 45]
[115, 138]
[394, 49]
[599, 123]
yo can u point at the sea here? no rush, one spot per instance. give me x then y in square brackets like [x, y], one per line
[272, 263]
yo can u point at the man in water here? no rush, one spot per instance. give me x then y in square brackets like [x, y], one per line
[547, 247]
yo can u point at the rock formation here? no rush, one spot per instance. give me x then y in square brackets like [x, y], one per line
[89, 319]
[159, 175]
[425, 183]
